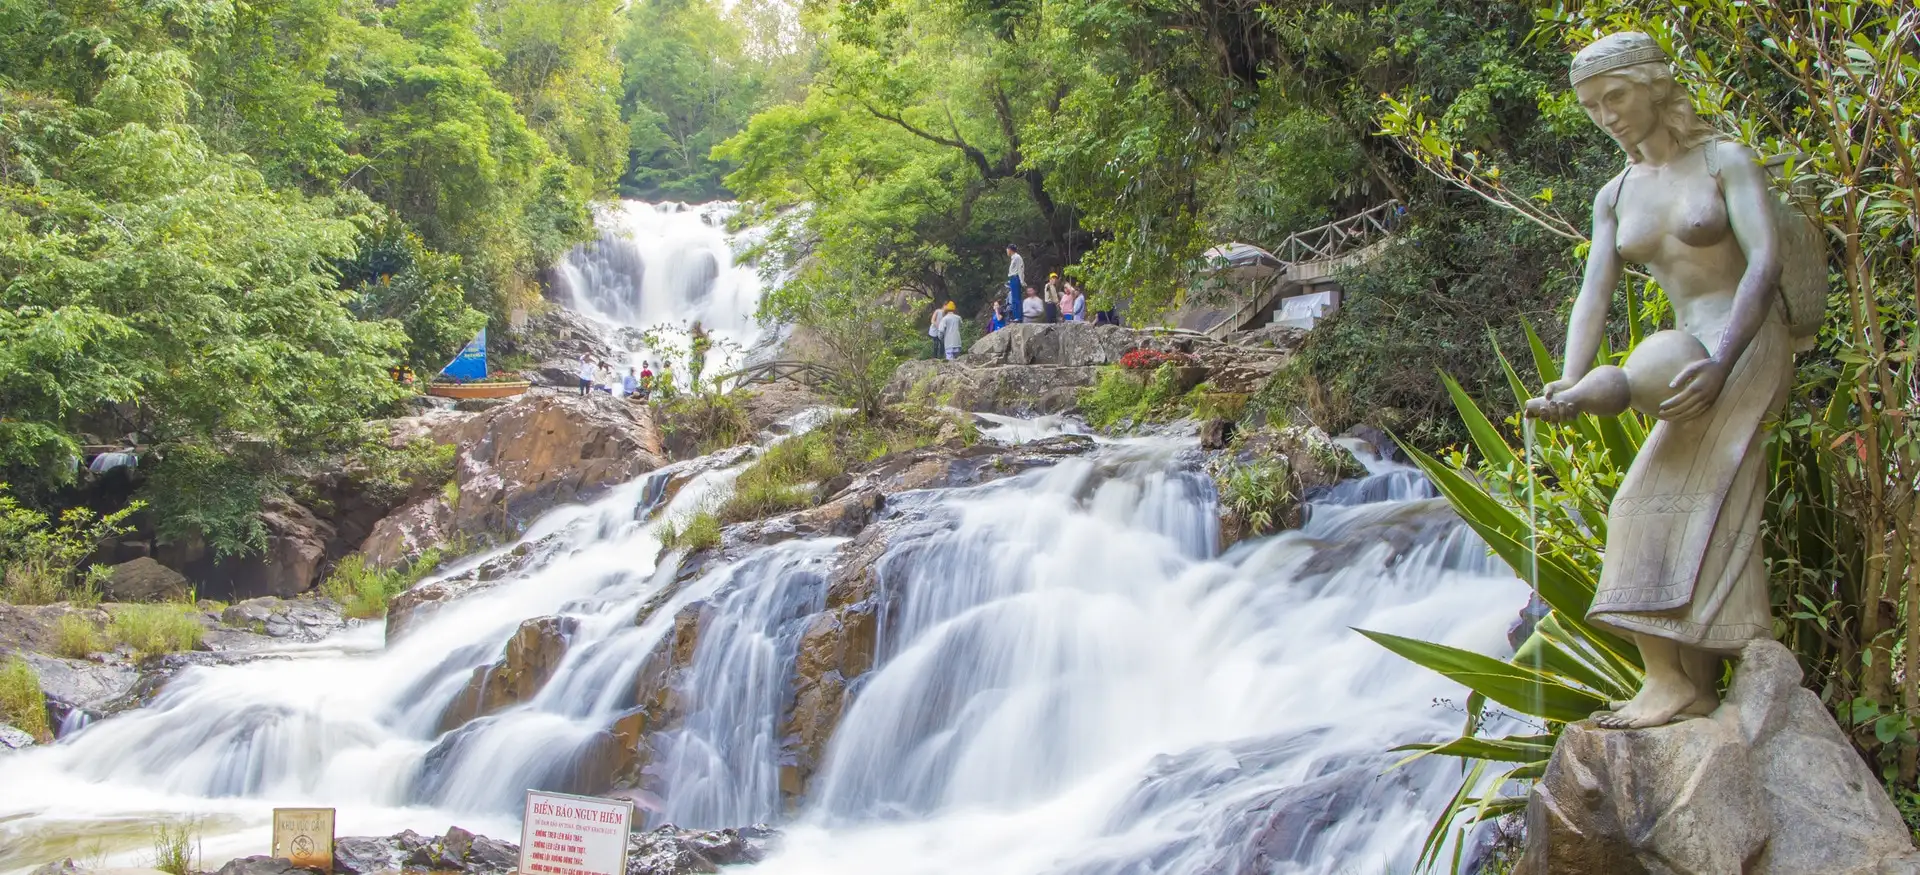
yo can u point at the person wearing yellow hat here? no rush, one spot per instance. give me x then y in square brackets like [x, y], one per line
[945, 330]
[1050, 299]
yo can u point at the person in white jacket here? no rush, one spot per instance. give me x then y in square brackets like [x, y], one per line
[946, 330]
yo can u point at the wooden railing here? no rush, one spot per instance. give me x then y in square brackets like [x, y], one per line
[1342, 236]
[804, 373]
[1306, 255]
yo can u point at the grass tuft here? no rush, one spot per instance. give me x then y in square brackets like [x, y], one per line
[22, 704]
[76, 637]
[363, 590]
[158, 628]
[698, 532]
[176, 847]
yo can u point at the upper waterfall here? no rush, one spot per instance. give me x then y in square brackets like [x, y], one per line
[666, 265]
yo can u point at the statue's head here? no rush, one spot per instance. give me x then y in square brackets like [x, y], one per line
[1625, 83]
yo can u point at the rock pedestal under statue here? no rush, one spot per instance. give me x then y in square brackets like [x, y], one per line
[1767, 785]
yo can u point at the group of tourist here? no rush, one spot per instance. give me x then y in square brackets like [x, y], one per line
[639, 384]
[1059, 301]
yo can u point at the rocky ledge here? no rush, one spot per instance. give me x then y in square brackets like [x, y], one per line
[1768, 785]
[1036, 369]
[667, 850]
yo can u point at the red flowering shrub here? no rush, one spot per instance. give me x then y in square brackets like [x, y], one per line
[1143, 359]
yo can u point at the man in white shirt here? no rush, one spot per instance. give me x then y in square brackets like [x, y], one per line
[587, 372]
[1033, 308]
[1016, 273]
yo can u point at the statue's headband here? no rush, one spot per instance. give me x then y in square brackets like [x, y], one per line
[1615, 51]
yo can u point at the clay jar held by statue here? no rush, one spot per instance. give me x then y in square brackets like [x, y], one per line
[1643, 383]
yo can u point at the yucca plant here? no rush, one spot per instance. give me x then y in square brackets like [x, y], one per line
[1543, 511]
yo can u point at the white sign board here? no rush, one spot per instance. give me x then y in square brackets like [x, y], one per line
[1304, 310]
[574, 835]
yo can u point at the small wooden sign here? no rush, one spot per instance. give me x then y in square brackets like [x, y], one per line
[304, 836]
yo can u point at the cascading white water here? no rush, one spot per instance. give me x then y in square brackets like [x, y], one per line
[666, 265]
[1068, 681]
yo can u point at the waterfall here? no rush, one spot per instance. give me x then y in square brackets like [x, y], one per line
[666, 265]
[1067, 680]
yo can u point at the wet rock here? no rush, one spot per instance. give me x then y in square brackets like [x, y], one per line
[81, 685]
[263, 865]
[145, 580]
[61, 867]
[532, 655]
[1311, 462]
[668, 481]
[659, 704]
[297, 619]
[670, 850]
[517, 461]
[407, 609]
[1378, 442]
[838, 646]
[14, 738]
[1215, 434]
[1768, 785]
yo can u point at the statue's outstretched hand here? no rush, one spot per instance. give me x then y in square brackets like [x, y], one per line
[1699, 384]
[1549, 406]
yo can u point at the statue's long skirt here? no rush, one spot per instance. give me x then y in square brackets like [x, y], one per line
[1684, 558]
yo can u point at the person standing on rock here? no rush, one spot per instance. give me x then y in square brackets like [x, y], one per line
[933, 331]
[630, 386]
[1051, 299]
[587, 370]
[947, 331]
[1073, 304]
[1016, 270]
[646, 380]
[1031, 308]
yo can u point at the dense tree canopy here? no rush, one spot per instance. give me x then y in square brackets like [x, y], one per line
[221, 223]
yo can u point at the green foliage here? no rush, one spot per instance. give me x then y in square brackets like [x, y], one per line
[76, 637]
[390, 473]
[202, 492]
[1256, 492]
[1122, 398]
[693, 72]
[784, 477]
[40, 561]
[362, 590]
[859, 339]
[176, 847]
[22, 704]
[219, 224]
[154, 629]
[714, 421]
[701, 531]
[1542, 509]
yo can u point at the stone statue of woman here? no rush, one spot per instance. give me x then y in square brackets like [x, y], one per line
[1682, 574]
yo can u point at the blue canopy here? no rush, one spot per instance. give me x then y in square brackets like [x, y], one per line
[471, 363]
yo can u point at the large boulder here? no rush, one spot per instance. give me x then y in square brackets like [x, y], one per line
[556, 338]
[1768, 785]
[145, 580]
[297, 552]
[1011, 390]
[1309, 460]
[532, 655]
[1073, 344]
[516, 462]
